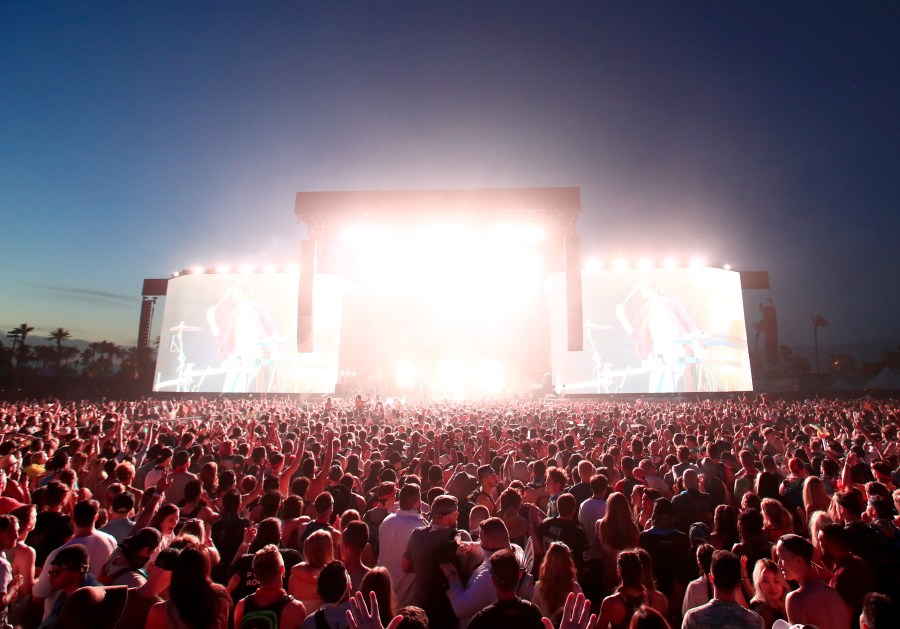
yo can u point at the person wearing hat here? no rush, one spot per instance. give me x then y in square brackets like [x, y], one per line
[120, 522]
[7, 503]
[126, 565]
[67, 570]
[99, 546]
[420, 559]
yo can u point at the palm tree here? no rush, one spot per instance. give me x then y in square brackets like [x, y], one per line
[19, 335]
[59, 335]
[818, 321]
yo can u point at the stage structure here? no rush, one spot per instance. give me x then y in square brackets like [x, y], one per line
[552, 210]
[449, 294]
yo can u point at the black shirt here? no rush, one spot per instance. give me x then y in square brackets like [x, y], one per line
[570, 533]
[515, 614]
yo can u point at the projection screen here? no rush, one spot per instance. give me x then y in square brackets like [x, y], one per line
[659, 331]
[237, 333]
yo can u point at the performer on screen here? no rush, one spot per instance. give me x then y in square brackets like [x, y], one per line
[663, 331]
[244, 330]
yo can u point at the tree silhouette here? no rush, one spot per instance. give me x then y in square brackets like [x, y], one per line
[818, 321]
[59, 335]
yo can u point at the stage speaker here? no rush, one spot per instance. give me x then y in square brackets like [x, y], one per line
[574, 317]
[305, 296]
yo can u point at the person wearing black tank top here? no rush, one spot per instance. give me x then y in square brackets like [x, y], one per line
[270, 606]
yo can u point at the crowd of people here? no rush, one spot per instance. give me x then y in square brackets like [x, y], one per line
[369, 514]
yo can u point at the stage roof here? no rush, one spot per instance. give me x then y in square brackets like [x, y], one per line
[557, 207]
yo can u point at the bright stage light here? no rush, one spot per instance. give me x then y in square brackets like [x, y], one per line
[645, 264]
[223, 269]
[698, 263]
[269, 268]
[727, 267]
[176, 273]
[670, 263]
[593, 264]
[406, 374]
[245, 269]
[620, 264]
[196, 270]
[491, 378]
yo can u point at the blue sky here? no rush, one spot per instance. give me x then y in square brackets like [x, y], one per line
[140, 138]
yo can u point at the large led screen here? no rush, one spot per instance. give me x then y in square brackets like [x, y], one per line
[237, 333]
[659, 331]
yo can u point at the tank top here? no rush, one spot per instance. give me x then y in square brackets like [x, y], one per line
[632, 604]
[256, 615]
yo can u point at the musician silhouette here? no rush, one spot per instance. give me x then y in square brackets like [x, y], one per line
[663, 332]
[244, 329]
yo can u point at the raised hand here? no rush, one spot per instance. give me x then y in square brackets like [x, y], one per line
[576, 614]
[359, 616]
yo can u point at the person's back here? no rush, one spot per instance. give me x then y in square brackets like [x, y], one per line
[813, 603]
[725, 614]
[723, 610]
[393, 537]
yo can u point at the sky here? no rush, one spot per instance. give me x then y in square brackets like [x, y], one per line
[140, 138]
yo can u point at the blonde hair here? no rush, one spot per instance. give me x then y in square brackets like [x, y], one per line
[318, 549]
[759, 570]
[817, 522]
[815, 497]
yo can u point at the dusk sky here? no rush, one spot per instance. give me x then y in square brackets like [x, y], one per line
[140, 138]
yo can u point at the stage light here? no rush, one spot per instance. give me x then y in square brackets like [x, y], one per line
[176, 273]
[196, 270]
[269, 268]
[670, 263]
[406, 374]
[727, 267]
[698, 263]
[645, 264]
[246, 269]
[593, 264]
[620, 264]
[223, 269]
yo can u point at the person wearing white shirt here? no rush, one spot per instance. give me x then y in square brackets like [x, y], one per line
[99, 545]
[393, 536]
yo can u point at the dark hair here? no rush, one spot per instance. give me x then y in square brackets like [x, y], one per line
[630, 569]
[268, 531]
[599, 484]
[333, 582]
[566, 505]
[798, 546]
[199, 601]
[648, 618]
[505, 569]
[413, 618]
[85, 513]
[704, 557]
[410, 494]
[878, 612]
[356, 535]
[726, 570]
[266, 563]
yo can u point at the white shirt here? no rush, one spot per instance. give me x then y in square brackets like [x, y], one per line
[592, 510]
[393, 536]
[480, 592]
[100, 547]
